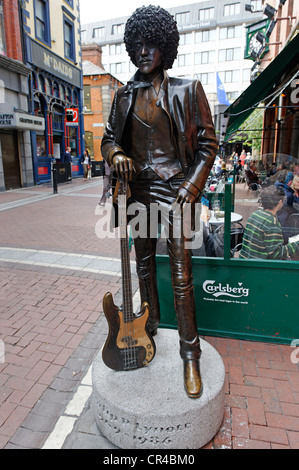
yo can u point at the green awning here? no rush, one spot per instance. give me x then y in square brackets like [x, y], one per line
[262, 86]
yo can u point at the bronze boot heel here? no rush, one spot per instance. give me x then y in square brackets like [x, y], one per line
[192, 378]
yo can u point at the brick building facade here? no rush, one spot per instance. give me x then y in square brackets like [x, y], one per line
[99, 88]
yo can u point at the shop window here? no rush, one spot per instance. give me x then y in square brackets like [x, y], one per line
[41, 145]
[69, 39]
[2, 31]
[69, 94]
[58, 118]
[56, 90]
[42, 21]
[62, 92]
[48, 86]
[75, 98]
[73, 141]
[34, 81]
[41, 83]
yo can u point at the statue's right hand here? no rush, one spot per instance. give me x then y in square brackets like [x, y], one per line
[123, 166]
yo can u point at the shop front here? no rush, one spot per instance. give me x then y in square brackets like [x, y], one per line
[15, 125]
[55, 89]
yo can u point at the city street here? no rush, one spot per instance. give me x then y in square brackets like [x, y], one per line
[54, 271]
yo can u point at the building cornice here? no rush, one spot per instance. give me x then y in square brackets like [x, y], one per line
[14, 65]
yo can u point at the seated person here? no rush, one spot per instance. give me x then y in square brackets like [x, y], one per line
[252, 177]
[292, 192]
[263, 237]
[239, 167]
[294, 171]
[280, 175]
[223, 169]
[290, 207]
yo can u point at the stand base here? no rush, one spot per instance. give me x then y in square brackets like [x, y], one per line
[148, 408]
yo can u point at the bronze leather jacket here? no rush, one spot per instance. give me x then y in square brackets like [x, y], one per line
[191, 124]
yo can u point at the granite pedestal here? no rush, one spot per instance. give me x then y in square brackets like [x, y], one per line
[148, 408]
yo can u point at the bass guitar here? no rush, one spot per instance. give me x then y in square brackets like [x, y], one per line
[129, 344]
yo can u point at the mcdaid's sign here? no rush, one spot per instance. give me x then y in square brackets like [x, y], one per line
[46, 60]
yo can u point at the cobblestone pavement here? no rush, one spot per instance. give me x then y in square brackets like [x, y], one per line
[54, 271]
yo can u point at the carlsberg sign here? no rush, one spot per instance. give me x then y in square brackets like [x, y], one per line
[225, 290]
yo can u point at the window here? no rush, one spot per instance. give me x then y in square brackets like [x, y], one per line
[183, 18]
[232, 95]
[119, 67]
[41, 84]
[98, 32]
[2, 31]
[230, 32]
[207, 78]
[87, 98]
[185, 39]
[69, 40]
[232, 9]
[118, 29]
[42, 21]
[226, 55]
[48, 86]
[206, 14]
[62, 92]
[73, 141]
[256, 5]
[230, 76]
[205, 35]
[89, 142]
[207, 57]
[246, 75]
[115, 49]
[184, 60]
[70, 2]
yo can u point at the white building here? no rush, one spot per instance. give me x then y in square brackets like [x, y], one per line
[212, 39]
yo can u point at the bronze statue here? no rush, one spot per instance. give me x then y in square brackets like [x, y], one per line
[160, 138]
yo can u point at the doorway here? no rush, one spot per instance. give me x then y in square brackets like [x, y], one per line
[10, 159]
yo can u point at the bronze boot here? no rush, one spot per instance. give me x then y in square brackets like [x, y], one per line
[192, 378]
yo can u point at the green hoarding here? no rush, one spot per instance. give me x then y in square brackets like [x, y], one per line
[250, 300]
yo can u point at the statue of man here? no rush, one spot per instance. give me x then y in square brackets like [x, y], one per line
[160, 138]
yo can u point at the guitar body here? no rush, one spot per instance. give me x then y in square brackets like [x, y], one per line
[129, 344]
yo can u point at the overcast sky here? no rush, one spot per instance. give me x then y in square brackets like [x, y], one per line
[95, 10]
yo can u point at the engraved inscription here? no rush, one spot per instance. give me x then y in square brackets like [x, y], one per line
[140, 433]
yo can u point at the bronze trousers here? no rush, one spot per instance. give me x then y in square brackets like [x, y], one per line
[150, 193]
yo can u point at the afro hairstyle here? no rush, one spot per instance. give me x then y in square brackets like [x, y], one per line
[158, 27]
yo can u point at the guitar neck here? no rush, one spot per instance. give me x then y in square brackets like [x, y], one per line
[128, 313]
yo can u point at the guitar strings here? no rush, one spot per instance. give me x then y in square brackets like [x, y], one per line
[130, 360]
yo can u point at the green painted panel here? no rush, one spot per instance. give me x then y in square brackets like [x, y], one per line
[238, 298]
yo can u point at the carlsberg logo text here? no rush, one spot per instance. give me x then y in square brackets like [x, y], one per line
[217, 290]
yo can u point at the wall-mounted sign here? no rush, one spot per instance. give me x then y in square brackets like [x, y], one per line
[46, 60]
[72, 116]
[254, 46]
[21, 121]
